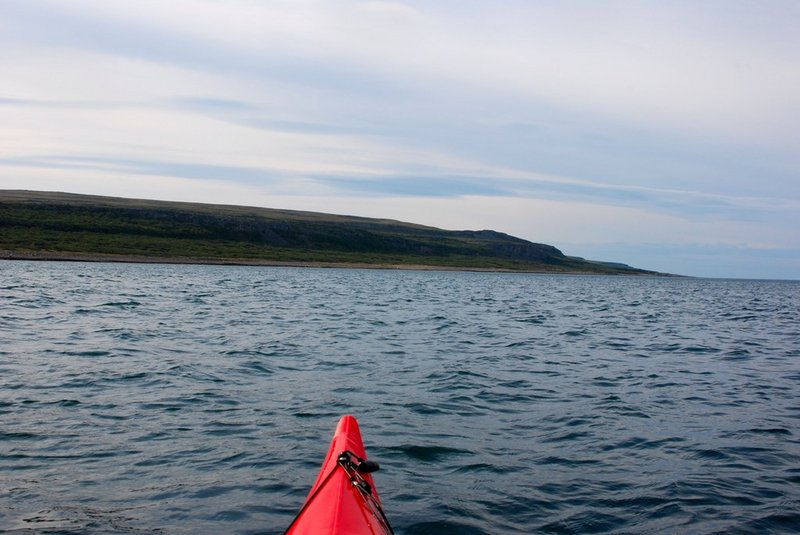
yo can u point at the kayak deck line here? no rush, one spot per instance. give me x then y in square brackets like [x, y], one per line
[343, 499]
[355, 472]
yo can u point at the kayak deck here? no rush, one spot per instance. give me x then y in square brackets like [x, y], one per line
[343, 499]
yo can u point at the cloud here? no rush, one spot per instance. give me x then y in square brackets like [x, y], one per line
[697, 70]
[252, 115]
[112, 166]
[415, 186]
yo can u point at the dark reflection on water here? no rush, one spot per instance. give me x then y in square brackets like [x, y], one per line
[191, 399]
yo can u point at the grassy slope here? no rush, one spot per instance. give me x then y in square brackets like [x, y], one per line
[54, 224]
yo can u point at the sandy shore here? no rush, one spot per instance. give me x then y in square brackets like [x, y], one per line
[137, 259]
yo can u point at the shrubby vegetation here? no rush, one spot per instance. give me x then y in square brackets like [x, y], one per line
[55, 224]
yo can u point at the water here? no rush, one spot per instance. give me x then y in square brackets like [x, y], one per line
[199, 399]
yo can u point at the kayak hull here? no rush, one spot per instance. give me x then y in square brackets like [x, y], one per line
[342, 501]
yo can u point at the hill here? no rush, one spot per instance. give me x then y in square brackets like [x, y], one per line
[46, 225]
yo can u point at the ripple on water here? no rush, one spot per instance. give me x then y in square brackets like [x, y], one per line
[428, 454]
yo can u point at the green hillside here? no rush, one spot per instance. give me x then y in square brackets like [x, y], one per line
[83, 227]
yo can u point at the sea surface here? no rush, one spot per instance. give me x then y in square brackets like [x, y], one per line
[161, 399]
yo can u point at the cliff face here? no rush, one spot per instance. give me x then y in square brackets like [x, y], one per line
[506, 246]
[58, 222]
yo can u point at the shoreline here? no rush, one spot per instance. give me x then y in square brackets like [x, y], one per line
[44, 256]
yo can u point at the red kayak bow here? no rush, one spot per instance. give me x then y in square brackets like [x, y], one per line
[343, 500]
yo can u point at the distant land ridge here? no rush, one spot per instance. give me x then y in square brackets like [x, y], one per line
[66, 226]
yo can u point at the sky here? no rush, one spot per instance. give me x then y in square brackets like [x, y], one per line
[665, 135]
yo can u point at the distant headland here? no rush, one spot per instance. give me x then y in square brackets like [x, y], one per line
[64, 226]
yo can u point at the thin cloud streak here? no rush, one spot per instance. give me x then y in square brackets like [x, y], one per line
[429, 184]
